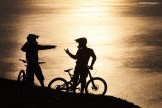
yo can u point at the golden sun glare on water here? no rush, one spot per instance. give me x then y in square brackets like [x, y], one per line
[92, 20]
[108, 30]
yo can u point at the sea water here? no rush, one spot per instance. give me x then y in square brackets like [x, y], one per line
[124, 34]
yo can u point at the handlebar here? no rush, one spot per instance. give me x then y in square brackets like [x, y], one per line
[25, 61]
[41, 62]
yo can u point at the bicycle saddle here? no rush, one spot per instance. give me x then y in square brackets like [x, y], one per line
[68, 70]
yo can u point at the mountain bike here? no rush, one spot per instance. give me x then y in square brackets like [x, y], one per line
[22, 76]
[59, 86]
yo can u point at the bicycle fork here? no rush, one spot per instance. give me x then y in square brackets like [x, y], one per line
[94, 87]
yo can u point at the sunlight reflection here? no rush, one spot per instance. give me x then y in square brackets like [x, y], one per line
[119, 38]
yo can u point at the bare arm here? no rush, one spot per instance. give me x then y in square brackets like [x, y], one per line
[70, 54]
[93, 60]
[45, 47]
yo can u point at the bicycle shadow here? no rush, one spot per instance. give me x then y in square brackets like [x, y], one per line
[9, 98]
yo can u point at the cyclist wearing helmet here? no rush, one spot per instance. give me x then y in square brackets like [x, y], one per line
[82, 58]
[31, 48]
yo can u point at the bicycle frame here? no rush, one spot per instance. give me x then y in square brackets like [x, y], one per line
[71, 77]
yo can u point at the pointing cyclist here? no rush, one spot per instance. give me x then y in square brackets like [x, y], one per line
[31, 47]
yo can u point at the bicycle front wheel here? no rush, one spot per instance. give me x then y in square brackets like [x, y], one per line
[58, 87]
[96, 86]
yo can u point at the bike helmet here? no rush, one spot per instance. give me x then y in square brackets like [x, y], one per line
[32, 37]
[82, 40]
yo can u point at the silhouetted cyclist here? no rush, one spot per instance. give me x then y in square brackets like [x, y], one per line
[31, 48]
[82, 56]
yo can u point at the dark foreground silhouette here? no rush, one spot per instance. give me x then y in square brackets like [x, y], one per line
[9, 98]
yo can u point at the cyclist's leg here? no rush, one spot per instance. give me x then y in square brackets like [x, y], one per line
[75, 78]
[83, 76]
[39, 75]
[30, 79]
[30, 83]
[83, 83]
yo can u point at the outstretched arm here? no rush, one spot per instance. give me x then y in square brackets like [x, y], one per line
[70, 54]
[45, 47]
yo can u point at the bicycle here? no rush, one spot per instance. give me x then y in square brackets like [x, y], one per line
[95, 85]
[22, 76]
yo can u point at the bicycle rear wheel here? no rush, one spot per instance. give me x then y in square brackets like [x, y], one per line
[20, 80]
[58, 87]
[96, 86]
